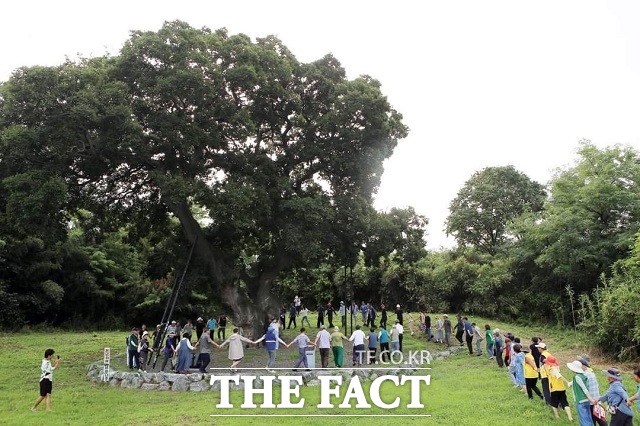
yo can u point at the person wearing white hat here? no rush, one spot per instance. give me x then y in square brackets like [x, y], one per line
[399, 313]
[594, 388]
[616, 398]
[581, 393]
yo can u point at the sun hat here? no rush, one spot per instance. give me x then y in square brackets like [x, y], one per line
[199, 319]
[612, 373]
[541, 345]
[551, 361]
[585, 359]
[445, 316]
[336, 328]
[270, 328]
[575, 366]
[397, 306]
[496, 332]
[146, 333]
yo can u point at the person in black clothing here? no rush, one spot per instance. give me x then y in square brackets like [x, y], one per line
[320, 315]
[283, 317]
[383, 316]
[199, 327]
[222, 324]
[330, 312]
[427, 326]
[399, 313]
[459, 330]
[293, 312]
[535, 352]
[371, 316]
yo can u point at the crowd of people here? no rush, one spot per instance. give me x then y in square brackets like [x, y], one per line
[372, 341]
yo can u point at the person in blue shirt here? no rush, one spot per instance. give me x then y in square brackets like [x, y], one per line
[270, 344]
[383, 337]
[373, 345]
[617, 398]
[211, 325]
[468, 333]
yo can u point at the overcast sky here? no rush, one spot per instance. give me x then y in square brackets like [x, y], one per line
[480, 83]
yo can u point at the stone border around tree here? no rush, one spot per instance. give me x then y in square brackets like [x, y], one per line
[199, 382]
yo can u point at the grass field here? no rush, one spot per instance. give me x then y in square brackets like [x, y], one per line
[464, 390]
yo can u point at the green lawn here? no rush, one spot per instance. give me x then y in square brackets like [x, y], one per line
[464, 390]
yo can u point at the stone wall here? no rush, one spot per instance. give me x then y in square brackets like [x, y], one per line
[198, 382]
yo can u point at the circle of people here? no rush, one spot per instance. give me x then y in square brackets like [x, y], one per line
[525, 365]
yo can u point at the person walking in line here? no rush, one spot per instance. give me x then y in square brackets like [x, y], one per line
[330, 312]
[337, 346]
[184, 354]
[636, 378]
[293, 313]
[439, 336]
[222, 326]
[283, 317]
[459, 327]
[478, 335]
[132, 349]
[498, 347]
[594, 390]
[204, 346]
[468, 334]
[531, 374]
[358, 337]
[297, 302]
[373, 345]
[320, 321]
[343, 314]
[302, 341]
[518, 367]
[557, 388]
[271, 341]
[383, 316]
[399, 313]
[544, 378]
[143, 352]
[211, 325]
[400, 334]
[616, 398]
[304, 312]
[581, 395]
[236, 349]
[46, 379]
[169, 350]
[446, 326]
[427, 326]
[395, 337]
[488, 337]
[323, 343]
[383, 337]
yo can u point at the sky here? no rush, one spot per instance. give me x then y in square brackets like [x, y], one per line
[479, 83]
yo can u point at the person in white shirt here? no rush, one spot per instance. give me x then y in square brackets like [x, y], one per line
[358, 337]
[323, 342]
[46, 380]
[304, 313]
[400, 333]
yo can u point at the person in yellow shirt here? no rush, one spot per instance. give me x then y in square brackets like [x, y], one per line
[531, 376]
[557, 386]
[544, 353]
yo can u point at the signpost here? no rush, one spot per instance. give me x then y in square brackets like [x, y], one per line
[107, 361]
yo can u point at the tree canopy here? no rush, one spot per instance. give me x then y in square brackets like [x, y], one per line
[488, 202]
[280, 154]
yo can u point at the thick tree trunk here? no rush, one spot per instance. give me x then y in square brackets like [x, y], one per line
[252, 304]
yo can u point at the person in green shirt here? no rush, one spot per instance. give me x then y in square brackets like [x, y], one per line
[336, 346]
[489, 338]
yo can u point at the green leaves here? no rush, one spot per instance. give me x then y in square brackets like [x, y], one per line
[488, 203]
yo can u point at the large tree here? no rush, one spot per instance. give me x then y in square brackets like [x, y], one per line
[488, 202]
[281, 154]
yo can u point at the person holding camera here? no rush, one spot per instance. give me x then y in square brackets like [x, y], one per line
[46, 379]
